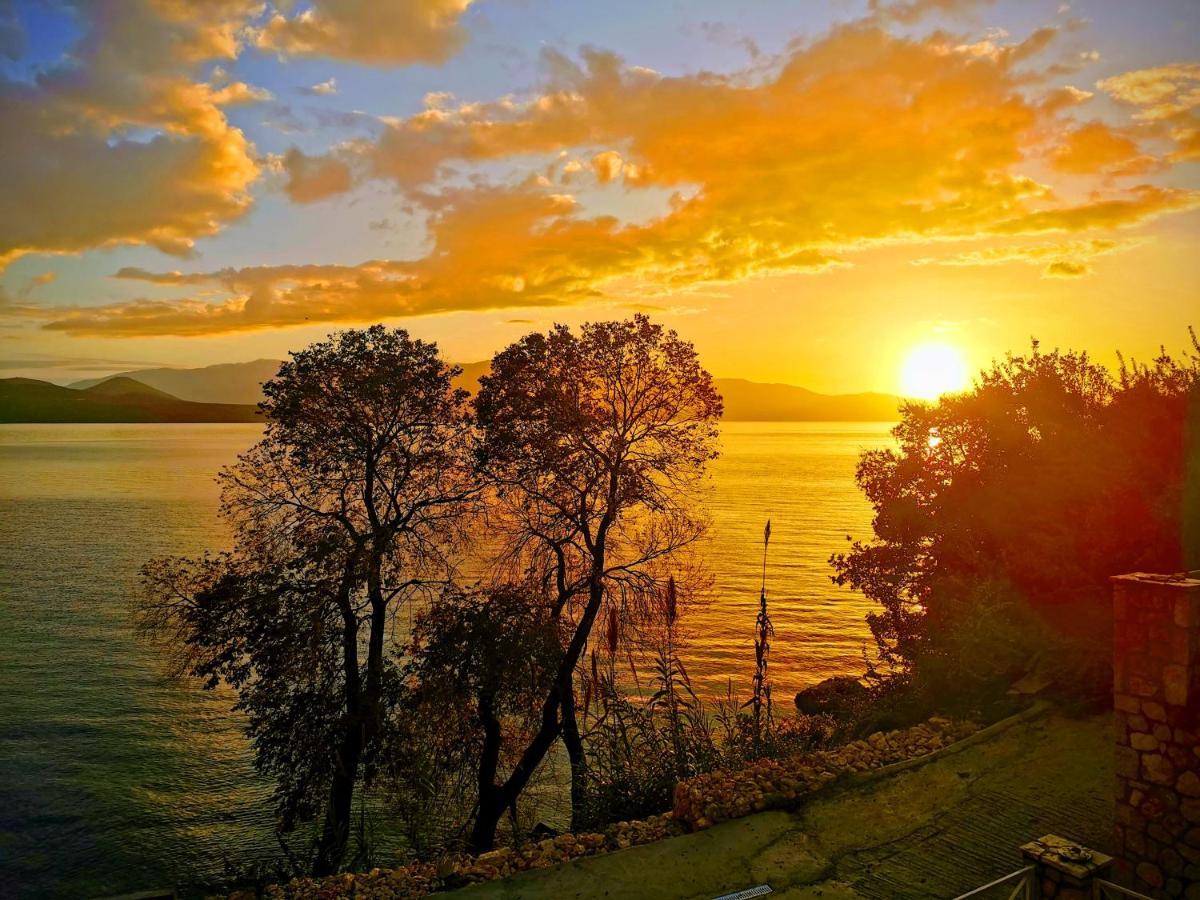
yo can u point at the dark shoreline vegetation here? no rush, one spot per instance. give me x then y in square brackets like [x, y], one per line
[998, 519]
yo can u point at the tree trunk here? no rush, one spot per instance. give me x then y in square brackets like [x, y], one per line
[495, 799]
[335, 834]
[491, 810]
[491, 796]
[570, 724]
[574, 745]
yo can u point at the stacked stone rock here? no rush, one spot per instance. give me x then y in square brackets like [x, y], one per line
[458, 870]
[772, 784]
[699, 803]
[1156, 694]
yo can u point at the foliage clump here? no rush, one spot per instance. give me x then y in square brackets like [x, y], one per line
[349, 508]
[1005, 510]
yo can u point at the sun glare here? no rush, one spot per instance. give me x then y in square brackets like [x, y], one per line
[931, 370]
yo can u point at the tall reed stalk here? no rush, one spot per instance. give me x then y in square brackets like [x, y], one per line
[760, 700]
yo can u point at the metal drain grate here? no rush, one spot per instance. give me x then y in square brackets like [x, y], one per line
[760, 890]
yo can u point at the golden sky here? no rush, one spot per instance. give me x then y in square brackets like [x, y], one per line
[807, 191]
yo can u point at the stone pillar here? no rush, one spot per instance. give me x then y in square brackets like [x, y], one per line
[1156, 695]
[1064, 871]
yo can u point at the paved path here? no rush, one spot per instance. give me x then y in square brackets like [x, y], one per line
[930, 832]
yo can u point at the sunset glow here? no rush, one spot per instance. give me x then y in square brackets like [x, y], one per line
[191, 184]
[450, 441]
[931, 370]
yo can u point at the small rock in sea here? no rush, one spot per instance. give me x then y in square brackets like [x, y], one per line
[833, 696]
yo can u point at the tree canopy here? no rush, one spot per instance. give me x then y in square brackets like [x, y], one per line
[351, 504]
[593, 443]
[1027, 491]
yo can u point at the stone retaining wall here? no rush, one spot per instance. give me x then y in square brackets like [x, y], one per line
[1156, 693]
[699, 803]
[772, 784]
[421, 879]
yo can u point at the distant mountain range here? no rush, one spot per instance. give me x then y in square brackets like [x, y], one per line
[752, 401]
[224, 383]
[116, 399]
[227, 392]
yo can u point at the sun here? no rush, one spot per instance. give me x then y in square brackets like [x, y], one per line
[931, 370]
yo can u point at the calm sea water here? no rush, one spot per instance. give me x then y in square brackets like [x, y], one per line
[113, 778]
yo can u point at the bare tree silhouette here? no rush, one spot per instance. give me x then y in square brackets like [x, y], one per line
[349, 506]
[595, 442]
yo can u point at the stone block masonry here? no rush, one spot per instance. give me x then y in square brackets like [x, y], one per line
[1156, 695]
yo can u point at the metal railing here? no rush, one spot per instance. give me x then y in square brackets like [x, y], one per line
[1106, 890]
[1023, 885]
[1022, 882]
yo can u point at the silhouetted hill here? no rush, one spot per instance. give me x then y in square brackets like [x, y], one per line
[471, 373]
[750, 401]
[224, 383]
[745, 401]
[121, 386]
[115, 400]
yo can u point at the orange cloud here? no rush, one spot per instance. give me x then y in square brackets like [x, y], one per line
[1095, 147]
[1140, 204]
[1062, 260]
[1066, 268]
[73, 177]
[32, 285]
[376, 32]
[908, 12]
[859, 139]
[1065, 97]
[606, 165]
[1161, 92]
[1167, 98]
[134, 273]
[314, 178]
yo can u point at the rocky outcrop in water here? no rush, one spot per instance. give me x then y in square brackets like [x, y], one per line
[832, 697]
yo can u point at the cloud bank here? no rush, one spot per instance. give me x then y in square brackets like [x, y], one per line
[121, 143]
[375, 32]
[861, 138]
[125, 140]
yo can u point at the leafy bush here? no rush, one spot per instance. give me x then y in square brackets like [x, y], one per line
[640, 747]
[1006, 509]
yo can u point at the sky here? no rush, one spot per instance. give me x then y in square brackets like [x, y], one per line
[807, 191]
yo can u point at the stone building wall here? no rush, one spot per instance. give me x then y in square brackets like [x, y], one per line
[1156, 694]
